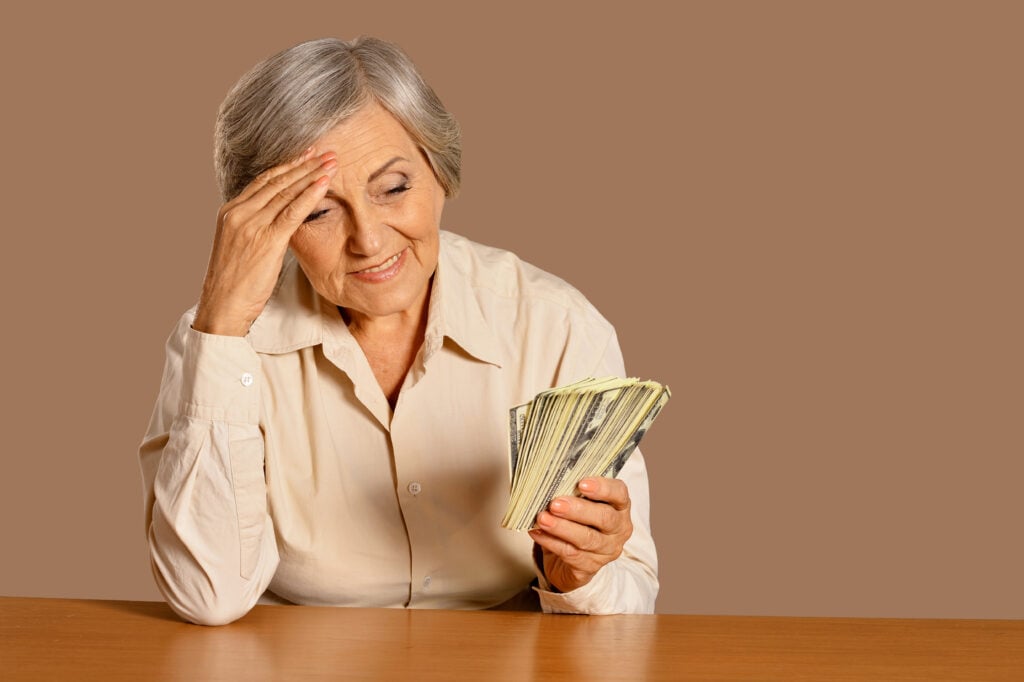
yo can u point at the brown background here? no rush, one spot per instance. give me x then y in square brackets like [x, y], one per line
[804, 217]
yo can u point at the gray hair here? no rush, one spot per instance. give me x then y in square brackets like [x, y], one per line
[287, 102]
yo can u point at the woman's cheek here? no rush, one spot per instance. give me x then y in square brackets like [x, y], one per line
[312, 252]
[423, 217]
[310, 239]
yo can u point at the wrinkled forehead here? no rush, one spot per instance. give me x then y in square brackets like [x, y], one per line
[367, 139]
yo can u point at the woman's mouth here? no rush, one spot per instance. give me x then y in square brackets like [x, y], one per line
[385, 265]
[384, 271]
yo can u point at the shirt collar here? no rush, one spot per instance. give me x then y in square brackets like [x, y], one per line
[296, 316]
[458, 314]
[293, 317]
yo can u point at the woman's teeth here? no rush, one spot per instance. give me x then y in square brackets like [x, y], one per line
[386, 264]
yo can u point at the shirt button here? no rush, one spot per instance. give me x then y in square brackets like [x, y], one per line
[247, 379]
[426, 582]
[414, 489]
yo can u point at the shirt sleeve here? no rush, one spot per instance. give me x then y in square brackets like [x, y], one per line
[630, 583]
[212, 545]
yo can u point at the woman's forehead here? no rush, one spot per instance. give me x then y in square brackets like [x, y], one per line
[367, 139]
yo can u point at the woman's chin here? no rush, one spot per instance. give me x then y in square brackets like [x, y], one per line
[385, 304]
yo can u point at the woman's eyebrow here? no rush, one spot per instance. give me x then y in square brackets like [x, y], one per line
[377, 173]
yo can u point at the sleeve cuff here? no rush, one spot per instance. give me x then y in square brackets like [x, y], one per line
[590, 598]
[221, 378]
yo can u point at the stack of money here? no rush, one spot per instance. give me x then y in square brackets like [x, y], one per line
[566, 434]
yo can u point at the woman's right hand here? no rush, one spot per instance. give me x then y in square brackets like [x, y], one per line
[253, 231]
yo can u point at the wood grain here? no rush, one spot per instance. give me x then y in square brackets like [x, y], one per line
[43, 639]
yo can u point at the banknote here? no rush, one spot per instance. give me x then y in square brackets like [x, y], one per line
[567, 433]
[516, 424]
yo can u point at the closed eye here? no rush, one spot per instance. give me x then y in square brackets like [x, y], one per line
[315, 215]
[399, 189]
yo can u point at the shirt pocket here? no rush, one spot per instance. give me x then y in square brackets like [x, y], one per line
[250, 499]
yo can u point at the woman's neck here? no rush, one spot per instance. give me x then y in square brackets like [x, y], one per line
[390, 343]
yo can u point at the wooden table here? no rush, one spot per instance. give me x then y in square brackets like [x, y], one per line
[62, 639]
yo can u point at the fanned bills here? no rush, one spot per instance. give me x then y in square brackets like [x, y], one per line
[568, 433]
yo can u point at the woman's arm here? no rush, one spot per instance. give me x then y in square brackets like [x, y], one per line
[582, 548]
[211, 541]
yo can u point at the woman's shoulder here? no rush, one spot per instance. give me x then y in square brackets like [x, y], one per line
[494, 272]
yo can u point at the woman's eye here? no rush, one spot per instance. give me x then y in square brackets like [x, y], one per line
[315, 215]
[398, 190]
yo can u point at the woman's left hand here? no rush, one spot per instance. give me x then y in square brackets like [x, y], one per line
[580, 535]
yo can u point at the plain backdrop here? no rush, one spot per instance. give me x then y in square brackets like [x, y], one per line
[804, 217]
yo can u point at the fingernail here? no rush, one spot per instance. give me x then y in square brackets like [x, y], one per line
[559, 506]
[309, 152]
[545, 520]
[330, 165]
[587, 485]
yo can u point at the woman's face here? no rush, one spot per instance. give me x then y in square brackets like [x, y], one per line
[371, 245]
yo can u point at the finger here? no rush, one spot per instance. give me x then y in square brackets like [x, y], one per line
[295, 212]
[282, 198]
[298, 199]
[261, 180]
[291, 183]
[599, 515]
[610, 490]
[583, 538]
[578, 560]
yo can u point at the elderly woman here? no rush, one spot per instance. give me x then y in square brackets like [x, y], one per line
[332, 422]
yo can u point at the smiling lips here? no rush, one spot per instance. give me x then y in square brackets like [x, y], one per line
[384, 271]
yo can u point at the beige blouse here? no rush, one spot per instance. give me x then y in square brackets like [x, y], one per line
[274, 461]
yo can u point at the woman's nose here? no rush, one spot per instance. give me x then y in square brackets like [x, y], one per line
[367, 232]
